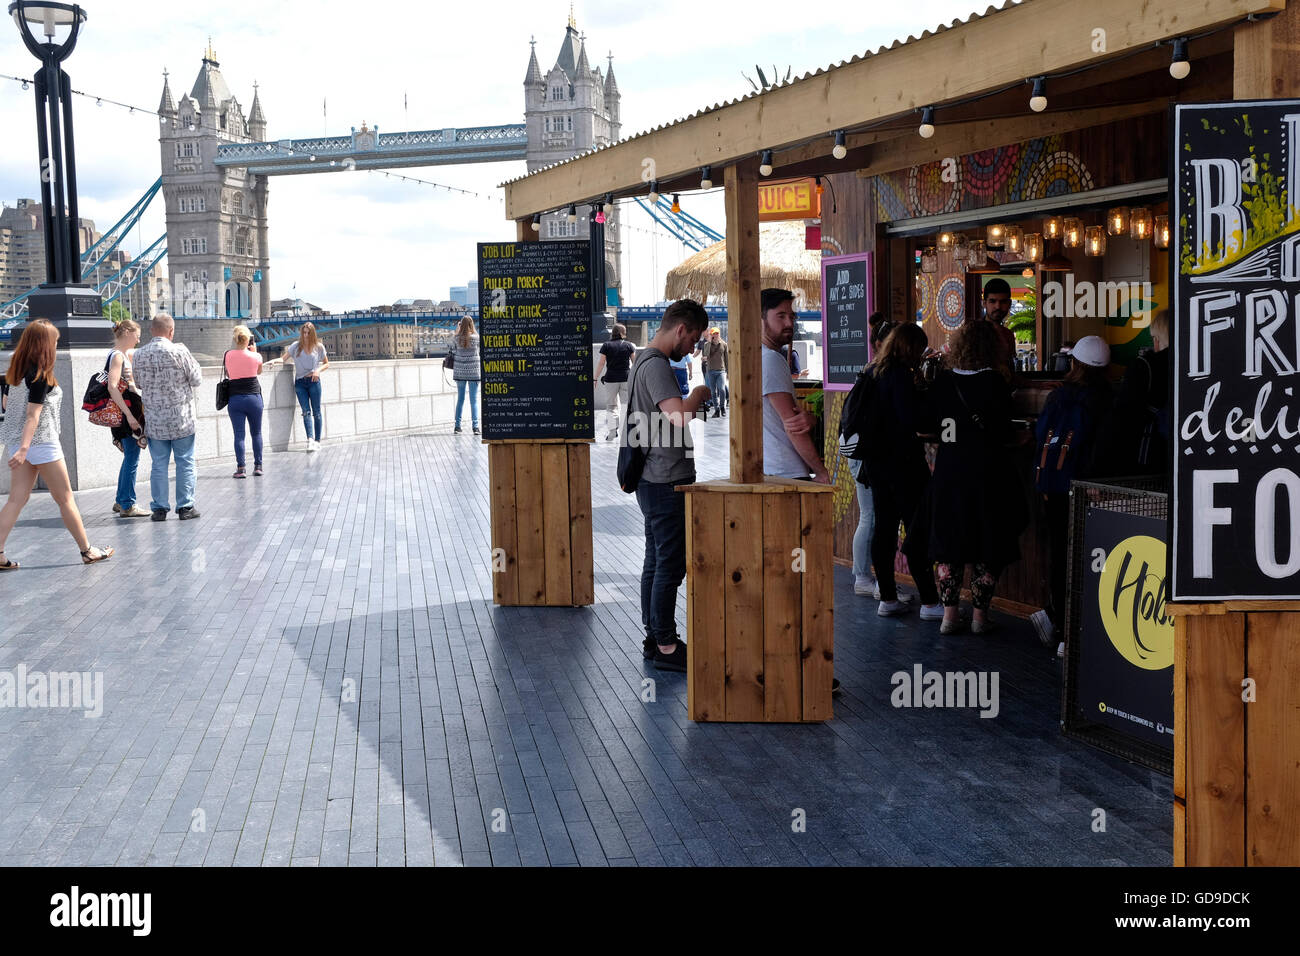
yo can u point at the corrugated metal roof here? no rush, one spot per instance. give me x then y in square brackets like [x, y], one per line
[897, 44]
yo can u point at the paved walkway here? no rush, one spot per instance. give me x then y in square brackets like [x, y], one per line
[314, 673]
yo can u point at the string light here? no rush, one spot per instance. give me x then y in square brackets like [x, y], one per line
[841, 149]
[677, 205]
[1179, 66]
[765, 163]
[1038, 99]
[537, 222]
[654, 192]
[927, 123]
[706, 177]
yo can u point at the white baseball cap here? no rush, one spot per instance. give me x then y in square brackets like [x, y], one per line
[1091, 350]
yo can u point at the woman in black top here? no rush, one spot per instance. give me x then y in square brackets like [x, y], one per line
[895, 462]
[977, 504]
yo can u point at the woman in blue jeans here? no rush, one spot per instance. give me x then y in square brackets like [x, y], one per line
[129, 436]
[309, 360]
[242, 365]
[466, 372]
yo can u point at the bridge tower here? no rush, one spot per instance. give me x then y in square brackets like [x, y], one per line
[568, 110]
[217, 246]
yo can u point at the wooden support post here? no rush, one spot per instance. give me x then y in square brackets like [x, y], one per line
[744, 322]
[1266, 57]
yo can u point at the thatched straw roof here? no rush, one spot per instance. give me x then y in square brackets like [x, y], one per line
[785, 264]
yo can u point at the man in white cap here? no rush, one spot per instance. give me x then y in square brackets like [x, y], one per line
[1074, 417]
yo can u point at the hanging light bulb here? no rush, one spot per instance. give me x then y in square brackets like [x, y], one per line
[27, 85]
[820, 188]
[841, 149]
[1012, 242]
[976, 252]
[677, 203]
[929, 259]
[1139, 223]
[573, 213]
[608, 208]
[1052, 227]
[1161, 232]
[1179, 66]
[765, 163]
[706, 177]
[537, 222]
[1117, 220]
[927, 123]
[1072, 232]
[1038, 101]
[1094, 243]
[995, 237]
[1032, 246]
[960, 247]
[654, 192]
[945, 240]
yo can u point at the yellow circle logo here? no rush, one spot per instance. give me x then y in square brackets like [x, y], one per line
[1102, 706]
[1132, 597]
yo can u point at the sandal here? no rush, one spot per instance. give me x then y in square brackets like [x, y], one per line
[92, 555]
[8, 565]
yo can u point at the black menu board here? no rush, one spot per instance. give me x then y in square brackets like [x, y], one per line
[846, 306]
[535, 329]
[1235, 426]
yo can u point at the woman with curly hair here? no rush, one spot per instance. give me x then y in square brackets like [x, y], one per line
[977, 504]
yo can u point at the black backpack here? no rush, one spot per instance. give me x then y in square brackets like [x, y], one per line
[859, 419]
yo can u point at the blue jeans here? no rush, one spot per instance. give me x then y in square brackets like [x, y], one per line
[248, 408]
[126, 474]
[714, 379]
[866, 524]
[162, 451]
[308, 392]
[463, 386]
[665, 558]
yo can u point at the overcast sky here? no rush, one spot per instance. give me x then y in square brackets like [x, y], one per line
[356, 239]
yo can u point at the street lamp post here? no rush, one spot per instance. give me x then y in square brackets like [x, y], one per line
[73, 305]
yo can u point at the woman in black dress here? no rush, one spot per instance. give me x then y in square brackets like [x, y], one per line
[977, 503]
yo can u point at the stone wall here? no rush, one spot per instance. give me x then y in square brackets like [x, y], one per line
[360, 400]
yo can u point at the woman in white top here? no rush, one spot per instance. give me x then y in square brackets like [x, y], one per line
[30, 438]
[128, 437]
[309, 360]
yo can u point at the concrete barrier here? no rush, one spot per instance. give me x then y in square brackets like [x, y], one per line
[360, 400]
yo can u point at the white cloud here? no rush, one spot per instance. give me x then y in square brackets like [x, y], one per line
[353, 239]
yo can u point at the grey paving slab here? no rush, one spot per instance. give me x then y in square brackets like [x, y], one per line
[315, 674]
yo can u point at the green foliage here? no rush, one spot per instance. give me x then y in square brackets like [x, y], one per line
[115, 312]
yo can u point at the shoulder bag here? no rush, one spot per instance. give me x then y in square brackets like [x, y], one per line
[103, 410]
[631, 458]
[223, 386]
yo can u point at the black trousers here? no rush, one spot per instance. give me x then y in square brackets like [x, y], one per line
[892, 504]
[1058, 540]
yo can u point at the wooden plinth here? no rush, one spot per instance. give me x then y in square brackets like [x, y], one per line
[541, 523]
[759, 604]
[1237, 762]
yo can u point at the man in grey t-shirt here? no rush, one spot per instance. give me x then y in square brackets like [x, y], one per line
[788, 450]
[658, 419]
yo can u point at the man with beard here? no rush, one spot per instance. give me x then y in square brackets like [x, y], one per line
[997, 306]
[788, 450]
[658, 419]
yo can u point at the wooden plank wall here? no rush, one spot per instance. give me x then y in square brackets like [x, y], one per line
[759, 606]
[1236, 783]
[541, 520]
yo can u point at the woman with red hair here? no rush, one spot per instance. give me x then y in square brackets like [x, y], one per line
[30, 439]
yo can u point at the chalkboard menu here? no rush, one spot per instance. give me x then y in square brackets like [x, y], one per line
[535, 340]
[846, 306]
[1236, 410]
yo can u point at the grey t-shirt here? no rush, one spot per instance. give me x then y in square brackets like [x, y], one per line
[304, 363]
[653, 381]
[779, 455]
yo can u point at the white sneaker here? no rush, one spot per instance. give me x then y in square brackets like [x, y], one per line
[311, 445]
[1043, 625]
[893, 608]
[866, 586]
[931, 612]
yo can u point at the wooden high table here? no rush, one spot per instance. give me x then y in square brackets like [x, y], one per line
[760, 575]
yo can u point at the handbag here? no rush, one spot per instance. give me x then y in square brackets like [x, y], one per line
[103, 410]
[223, 386]
[632, 458]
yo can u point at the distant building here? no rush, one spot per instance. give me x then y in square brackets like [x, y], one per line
[22, 247]
[413, 305]
[465, 295]
[281, 307]
[363, 342]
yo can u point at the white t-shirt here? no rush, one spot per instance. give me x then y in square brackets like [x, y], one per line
[304, 363]
[779, 455]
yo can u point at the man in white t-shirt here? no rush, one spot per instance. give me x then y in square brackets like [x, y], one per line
[788, 450]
